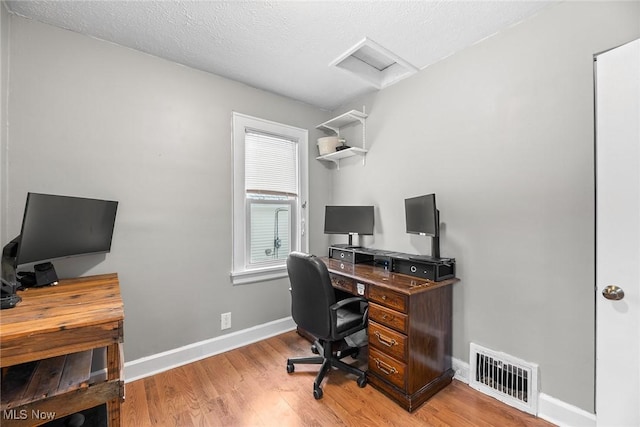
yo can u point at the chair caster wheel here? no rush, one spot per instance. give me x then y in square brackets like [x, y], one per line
[290, 368]
[362, 381]
[75, 420]
[317, 393]
[356, 353]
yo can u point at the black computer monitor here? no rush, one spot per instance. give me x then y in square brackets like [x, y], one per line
[350, 220]
[56, 226]
[422, 217]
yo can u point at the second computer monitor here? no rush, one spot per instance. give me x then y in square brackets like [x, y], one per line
[349, 220]
[422, 217]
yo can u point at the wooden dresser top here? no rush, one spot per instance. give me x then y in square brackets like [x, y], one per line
[383, 277]
[73, 303]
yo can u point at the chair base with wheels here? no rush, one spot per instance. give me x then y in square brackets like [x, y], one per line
[328, 360]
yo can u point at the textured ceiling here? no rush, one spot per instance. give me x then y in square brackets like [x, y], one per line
[285, 47]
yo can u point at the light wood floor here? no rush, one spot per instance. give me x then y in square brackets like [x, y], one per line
[250, 386]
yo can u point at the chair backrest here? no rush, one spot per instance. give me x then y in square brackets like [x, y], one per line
[311, 293]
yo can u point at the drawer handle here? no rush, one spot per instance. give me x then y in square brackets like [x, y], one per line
[388, 317]
[389, 342]
[384, 297]
[385, 367]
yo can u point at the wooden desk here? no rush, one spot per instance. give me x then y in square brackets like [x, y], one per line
[46, 345]
[409, 330]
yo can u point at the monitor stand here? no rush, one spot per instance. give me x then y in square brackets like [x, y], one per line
[9, 300]
[9, 285]
[435, 252]
[350, 245]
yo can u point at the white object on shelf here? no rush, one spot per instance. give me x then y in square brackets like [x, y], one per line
[328, 144]
[341, 121]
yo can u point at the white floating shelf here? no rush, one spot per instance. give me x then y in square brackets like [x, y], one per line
[342, 154]
[343, 120]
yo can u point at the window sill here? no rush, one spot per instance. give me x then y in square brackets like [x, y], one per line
[263, 274]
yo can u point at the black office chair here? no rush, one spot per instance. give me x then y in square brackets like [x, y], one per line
[316, 309]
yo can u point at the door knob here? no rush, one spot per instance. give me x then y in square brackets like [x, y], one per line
[613, 292]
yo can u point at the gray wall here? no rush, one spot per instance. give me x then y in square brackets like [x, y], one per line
[90, 118]
[502, 132]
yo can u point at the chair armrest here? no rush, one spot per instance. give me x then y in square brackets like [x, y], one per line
[347, 301]
[333, 309]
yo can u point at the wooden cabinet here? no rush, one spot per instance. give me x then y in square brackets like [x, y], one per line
[409, 330]
[47, 342]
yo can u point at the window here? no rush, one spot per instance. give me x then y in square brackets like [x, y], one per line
[269, 197]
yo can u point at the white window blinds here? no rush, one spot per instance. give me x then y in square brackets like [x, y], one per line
[270, 164]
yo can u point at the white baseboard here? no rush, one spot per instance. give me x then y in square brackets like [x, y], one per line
[461, 370]
[562, 414]
[150, 365]
[549, 408]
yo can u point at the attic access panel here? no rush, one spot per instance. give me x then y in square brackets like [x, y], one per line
[374, 64]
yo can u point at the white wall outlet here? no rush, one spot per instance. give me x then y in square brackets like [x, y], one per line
[225, 320]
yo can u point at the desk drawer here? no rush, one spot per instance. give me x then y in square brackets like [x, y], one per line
[388, 298]
[387, 340]
[343, 283]
[391, 318]
[387, 368]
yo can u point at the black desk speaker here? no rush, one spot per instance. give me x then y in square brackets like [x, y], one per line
[45, 274]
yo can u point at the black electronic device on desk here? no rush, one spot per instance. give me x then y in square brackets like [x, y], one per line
[383, 258]
[436, 269]
[350, 254]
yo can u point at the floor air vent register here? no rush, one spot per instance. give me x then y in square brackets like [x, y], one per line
[504, 377]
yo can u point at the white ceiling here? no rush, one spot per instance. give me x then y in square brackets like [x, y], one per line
[285, 47]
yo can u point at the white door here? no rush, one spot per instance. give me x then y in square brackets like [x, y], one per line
[618, 236]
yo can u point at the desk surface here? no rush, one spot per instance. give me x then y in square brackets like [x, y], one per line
[379, 276]
[48, 319]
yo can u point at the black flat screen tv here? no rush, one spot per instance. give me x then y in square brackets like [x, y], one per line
[62, 226]
[350, 220]
[422, 217]
[55, 227]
